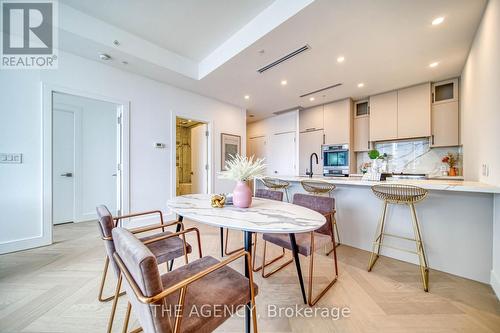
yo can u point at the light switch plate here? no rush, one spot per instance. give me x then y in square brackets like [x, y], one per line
[11, 158]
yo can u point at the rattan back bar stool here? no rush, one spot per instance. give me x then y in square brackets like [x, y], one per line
[276, 184]
[317, 187]
[401, 195]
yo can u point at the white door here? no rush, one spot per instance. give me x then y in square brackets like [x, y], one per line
[199, 159]
[282, 154]
[257, 149]
[63, 166]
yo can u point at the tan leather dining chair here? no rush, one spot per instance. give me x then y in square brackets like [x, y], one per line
[164, 251]
[171, 302]
[308, 242]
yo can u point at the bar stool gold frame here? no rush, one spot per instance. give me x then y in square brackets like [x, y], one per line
[320, 187]
[402, 195]
[276, 185]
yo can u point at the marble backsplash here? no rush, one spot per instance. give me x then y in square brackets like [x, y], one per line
[413, 156]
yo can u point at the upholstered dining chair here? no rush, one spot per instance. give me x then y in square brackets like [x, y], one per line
[308, 242]
[160, 302]
[165, 251]
[265, 194]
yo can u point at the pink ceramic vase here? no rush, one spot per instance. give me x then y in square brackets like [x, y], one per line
[242, 195]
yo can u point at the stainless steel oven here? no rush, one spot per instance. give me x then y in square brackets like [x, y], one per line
[335, 160]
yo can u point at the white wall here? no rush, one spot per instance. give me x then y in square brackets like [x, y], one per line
[480, 100]
[151, 106]
[480, 115]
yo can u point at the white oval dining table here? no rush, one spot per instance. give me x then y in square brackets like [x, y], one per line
[263, 216]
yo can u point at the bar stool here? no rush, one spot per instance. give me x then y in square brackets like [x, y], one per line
[276, 184]
[316, 187]
[401, 195]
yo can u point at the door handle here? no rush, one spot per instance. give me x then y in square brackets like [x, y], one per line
[67, 174]
[114, 175]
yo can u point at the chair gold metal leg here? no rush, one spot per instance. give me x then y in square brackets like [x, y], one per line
[115, 302]
[256, 269]
[127, 318]
[103, 282]
[424, 269]
[225, 245]
[310, 299]
[277, 269]
[335, 230]
[378, 239]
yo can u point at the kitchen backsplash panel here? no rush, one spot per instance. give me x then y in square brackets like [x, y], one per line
[413, 156]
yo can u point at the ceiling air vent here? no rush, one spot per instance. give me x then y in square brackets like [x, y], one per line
[295, 108]
[322, 89]
[280, 60]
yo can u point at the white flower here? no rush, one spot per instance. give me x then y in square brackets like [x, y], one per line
[241, 168]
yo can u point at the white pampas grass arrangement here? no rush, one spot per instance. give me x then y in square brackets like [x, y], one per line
[242, 168]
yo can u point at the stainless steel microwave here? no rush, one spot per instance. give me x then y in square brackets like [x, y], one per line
[335, 160]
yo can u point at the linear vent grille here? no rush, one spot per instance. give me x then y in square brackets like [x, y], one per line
[322, 89]
[280, 60]
[295, 108]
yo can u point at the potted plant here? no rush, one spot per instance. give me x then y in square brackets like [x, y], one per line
[241, 169]
[451, 160]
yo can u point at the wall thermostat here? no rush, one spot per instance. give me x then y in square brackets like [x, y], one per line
[159, 145]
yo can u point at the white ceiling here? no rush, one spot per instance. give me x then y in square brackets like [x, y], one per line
[191, 28]
[387, 44]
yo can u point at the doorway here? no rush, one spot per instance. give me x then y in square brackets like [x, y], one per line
[86, 158]
[191, 155]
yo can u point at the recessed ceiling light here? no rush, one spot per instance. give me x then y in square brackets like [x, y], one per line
[311, 99]
[438, 20]
[284, 82]
[433, 64]
[251, 116]
[361, 85]
[104, 56]
[247, 96]
[340, 59]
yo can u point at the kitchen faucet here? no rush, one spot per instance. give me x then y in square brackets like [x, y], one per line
[310, 173]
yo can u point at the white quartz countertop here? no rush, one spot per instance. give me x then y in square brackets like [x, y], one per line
[429, 184]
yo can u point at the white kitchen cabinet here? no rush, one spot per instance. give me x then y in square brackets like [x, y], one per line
[384, 116]
[445, 125]
[362, 134]
[414, 112]
[311, 119]
[310, 142]
[257, 147]
[337, 122]
[282, 154]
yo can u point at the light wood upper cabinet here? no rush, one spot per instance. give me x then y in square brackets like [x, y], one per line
[311, 119]
[445, 91]
[384, 116]
[338, 122]
[414, 112]
[310, 142]
[362, 133]
[445, 125]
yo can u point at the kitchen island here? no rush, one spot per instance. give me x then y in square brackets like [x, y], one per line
[457, 220]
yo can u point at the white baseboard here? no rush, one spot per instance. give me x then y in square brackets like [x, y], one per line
[495, 283]
[24, 244]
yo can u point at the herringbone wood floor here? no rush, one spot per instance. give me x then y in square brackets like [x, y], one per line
[54, 288]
